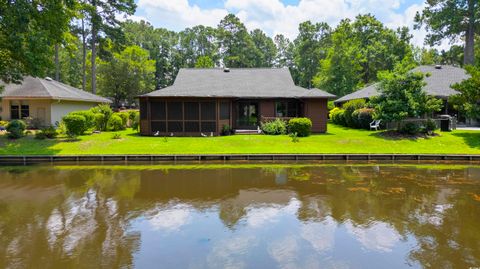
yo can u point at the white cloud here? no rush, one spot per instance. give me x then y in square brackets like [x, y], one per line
[275, 17]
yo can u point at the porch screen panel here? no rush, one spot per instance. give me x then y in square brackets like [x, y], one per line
[192, 126]
[208, 111]
[175, 126]
[292, 109]
[157, 110]
[192, 111]
[225, 110]
[15, 112]
[175, 111]
[158, 126]
[209, 126]
[143, 110]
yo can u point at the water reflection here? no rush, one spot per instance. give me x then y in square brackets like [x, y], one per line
[336, 216]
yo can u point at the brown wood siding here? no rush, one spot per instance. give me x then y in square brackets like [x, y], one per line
[267, 108]
[316, 110]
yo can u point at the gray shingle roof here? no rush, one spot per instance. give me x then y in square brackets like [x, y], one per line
[238, 83]
[32, 87]
[438, 84]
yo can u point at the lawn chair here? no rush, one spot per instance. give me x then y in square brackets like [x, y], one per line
[375, 124]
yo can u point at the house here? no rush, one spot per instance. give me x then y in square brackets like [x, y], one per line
[439, 80]
[207, 100]
[44, 99]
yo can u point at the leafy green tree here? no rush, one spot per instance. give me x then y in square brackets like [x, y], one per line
[402, 95]
[103, 18]
[266, 49]
[450, 19]
[310, 47]
[236, 45]
[127, 75]
[204, 62]
[196, 42]
[29, 31]
[340, 72]
[467, 102]
[285, 49]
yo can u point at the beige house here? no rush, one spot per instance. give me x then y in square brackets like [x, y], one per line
[44, 99]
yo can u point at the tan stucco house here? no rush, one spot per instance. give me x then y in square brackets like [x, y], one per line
[44, 99]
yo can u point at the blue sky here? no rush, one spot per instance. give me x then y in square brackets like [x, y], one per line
[277, 16]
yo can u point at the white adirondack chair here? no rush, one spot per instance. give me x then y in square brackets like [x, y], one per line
[375, 124]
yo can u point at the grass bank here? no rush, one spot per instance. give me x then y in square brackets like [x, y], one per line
[337, 140]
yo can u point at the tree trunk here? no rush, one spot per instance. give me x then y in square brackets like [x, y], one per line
[84, 57]
[57, 64]
[93, 59]
[468, 54]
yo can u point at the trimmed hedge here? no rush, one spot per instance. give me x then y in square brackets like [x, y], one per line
[75, 124]
[115, 123]
[301, 126]
[89, 117]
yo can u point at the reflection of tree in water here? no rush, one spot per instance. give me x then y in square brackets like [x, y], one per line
[63, 220]
[66, 214]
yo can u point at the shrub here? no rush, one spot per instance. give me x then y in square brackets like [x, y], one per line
[40, 135]
[363, 117]
[132, 114]
[294, 137]
[275, 127]
[124, 116]
[48, 132]
[410, 128]
[330, 105]
[16, 129]
[34, 123]
[116, 136]
[136, 121]
[100, 123]
[226, 129]
[75, 125]
[337, 115]
[89, 117]
[350, 107]
[430, 126]
[106, 111]
[3, 123]
[301, 126]
[115, 123]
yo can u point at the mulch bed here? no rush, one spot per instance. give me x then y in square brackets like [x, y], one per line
[392, 134]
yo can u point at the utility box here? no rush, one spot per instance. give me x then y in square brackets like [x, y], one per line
[445, 123]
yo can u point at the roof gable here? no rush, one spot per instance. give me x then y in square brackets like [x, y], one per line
[32, 87]
[238, 83]
[438, 83]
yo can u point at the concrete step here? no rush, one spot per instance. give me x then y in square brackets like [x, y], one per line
[249, 132]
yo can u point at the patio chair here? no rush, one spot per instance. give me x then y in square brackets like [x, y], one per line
[375, 124]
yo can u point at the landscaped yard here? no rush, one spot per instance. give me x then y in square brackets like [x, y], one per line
[337, 140]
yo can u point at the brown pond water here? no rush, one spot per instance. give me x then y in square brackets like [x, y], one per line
[240, 216]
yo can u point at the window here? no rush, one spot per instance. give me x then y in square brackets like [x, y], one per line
[25, 111]
[287, 109]
[15, 112]
[175, 110]
[157, 110]
[208, 110]
[225, 110]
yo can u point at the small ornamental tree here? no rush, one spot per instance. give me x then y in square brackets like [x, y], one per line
[402, 96]
[468, 101]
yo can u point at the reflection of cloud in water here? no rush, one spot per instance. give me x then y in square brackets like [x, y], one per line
[321, 235]
[230, 252]
[172, 218]
[284, 252]
[259, 216]
[379, 236]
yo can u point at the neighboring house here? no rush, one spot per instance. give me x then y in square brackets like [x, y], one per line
[44, 99]
[438, 84]
[206, 100]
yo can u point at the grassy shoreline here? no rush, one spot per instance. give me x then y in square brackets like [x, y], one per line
[337, 140]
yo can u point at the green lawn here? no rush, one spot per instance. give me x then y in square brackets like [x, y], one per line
[337, 140]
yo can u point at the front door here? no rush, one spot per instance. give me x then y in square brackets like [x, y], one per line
[247, 115]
